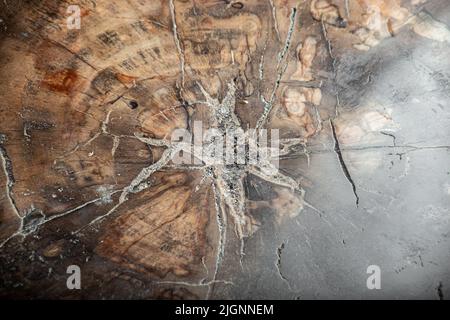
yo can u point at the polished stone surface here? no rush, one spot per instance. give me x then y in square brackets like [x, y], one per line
[359, 90]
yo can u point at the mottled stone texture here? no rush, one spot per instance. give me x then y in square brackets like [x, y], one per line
[358, 89]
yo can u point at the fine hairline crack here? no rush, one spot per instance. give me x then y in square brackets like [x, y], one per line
[337, 150]
[279, 252]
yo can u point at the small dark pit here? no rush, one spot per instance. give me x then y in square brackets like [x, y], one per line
[133, 104]
[238, 5]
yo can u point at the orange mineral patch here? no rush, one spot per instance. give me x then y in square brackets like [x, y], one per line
[125, 79]
[63, 81]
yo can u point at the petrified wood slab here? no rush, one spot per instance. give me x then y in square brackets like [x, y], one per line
[358, 91]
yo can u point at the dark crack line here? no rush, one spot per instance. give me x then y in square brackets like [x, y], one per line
[337, 150]
[333, 64]
[178, 42]
[278, 265]
[76, 55]
[411, 147]
[394, 139]
[151, 231]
